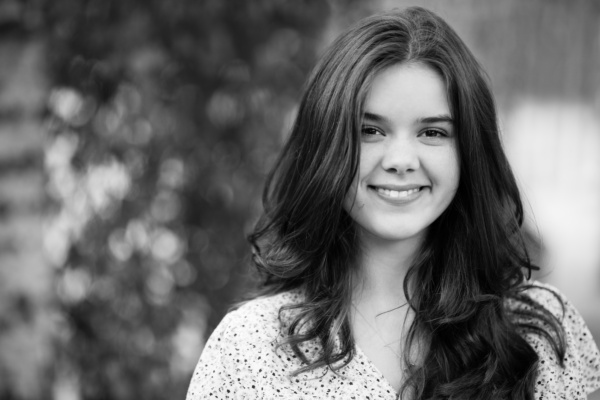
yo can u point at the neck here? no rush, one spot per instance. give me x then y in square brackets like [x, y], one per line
[382, 267]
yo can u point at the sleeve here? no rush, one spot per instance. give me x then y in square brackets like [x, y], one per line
[582, 356]
[581, 373]
[213, 377]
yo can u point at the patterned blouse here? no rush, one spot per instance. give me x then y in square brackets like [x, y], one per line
[241, 360]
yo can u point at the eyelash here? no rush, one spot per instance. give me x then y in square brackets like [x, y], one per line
[438, 133]
[371, 131]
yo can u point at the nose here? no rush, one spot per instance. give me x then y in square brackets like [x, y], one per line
[400, 156]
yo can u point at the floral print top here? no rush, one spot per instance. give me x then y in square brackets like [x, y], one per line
[241, 360]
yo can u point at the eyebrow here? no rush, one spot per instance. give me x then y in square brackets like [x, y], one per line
[374, 117]
[437, 119]
[426, 120]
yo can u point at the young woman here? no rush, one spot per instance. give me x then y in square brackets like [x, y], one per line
[390, 245]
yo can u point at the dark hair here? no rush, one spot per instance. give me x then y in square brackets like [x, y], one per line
[473, 258]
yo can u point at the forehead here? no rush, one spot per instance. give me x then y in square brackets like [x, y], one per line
[409, 90]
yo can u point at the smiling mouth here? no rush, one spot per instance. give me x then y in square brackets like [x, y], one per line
[396, 194]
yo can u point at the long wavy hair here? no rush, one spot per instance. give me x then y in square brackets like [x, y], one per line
[473, 260]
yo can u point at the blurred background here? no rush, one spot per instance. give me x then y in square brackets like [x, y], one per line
[135, 137]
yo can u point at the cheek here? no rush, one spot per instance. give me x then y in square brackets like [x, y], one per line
[453, 183]
[456, 171]
[446, 177]
[454, 176]
[451, 169]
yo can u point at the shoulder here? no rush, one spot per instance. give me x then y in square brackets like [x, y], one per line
[543, 291]
[579, 372]
[253, 323]
[242, 351]
[545, 296]
[267, 306]
[262, 316]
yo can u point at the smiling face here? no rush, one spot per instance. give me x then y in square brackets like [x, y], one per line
[409, 164]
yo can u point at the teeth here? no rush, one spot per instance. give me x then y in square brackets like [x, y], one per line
[397, 194]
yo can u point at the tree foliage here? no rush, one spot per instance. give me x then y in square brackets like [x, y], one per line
[165, 117]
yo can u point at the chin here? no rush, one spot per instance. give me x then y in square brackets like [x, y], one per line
[400, 234]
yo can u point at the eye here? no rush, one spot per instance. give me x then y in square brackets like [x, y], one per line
[370, 131]
[434, 133]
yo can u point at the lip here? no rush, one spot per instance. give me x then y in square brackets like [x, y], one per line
[397, 194]
[398, 188]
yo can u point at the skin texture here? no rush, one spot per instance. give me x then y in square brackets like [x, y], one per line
[402, 149]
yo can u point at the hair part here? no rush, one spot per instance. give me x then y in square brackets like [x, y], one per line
[474, 257]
